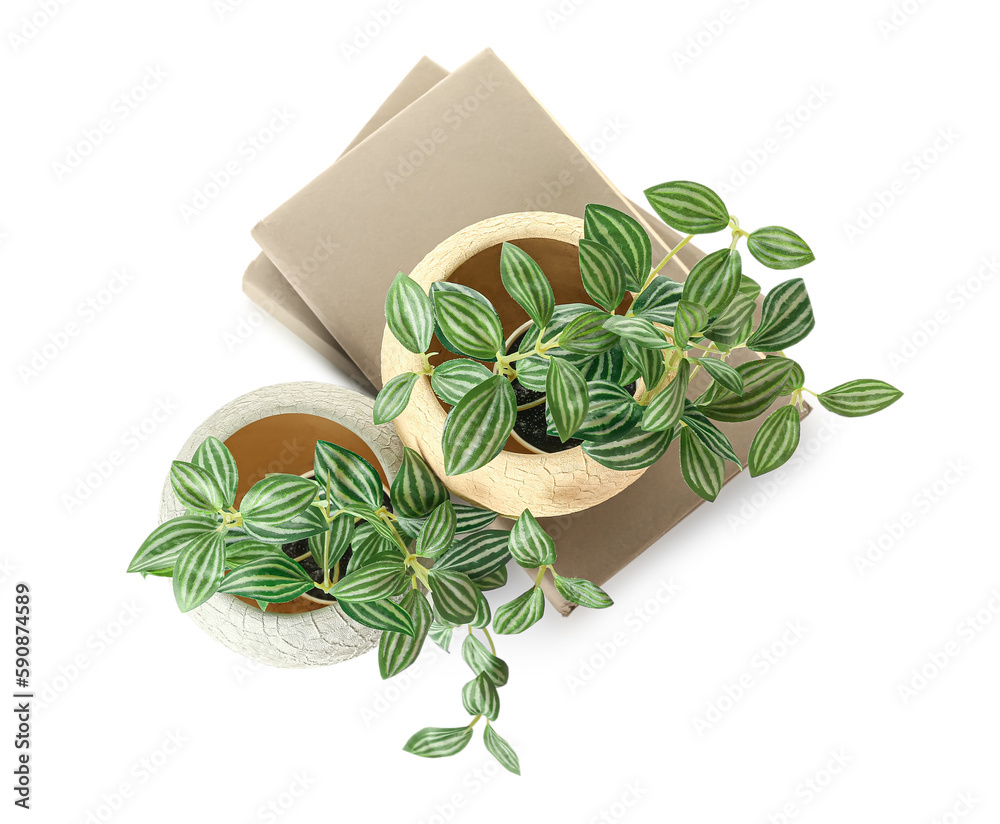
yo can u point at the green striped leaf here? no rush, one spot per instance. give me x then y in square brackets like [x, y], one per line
[473, 329]
[244, 552]
[722, 372]
[566, 397]
[453, 379]
[648, 361]
[397, 651]
[491, 580]
[735, 322]
[796, 379]
[307, 523]
[623, 235]
[532, 371]
[501, 750]
[530, 545]
[276, 499]
[613, 412]
[478, 426]
[690, 320]
[472, 518]
[520, 614]
[749, 288]
[775, 441]
[441, 635]
[480, 697]
[586, 335]
[637, 330]
[526, 283]
[383, 579]
[350, 478]
[857, 398]
[604, 274]
[437, 742]
[384, 615]
[715, 280]
[373, 552]
[438, 531]
[197, 490]
[688, 207]
[779, 248]
[708, 433]
[658, 302]
[762, 381]
[636, 450]
[703, 470]
[368, 538]
[582, 592]
[272, 580]
[786, 318]
[447, 286]
[199, 569]
[214, 457]
[477, 555]
[606, 366]
[665, 410]
[416, 490]
[159, 551]
[483, 615]
[481, 659]
[409, 314]
[327, 548]
[393, 397]
[456, 598]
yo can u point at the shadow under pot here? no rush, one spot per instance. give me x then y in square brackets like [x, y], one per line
[275, 429]
[534, 470]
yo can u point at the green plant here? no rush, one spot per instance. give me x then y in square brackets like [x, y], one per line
[582, 356]
[419, 545]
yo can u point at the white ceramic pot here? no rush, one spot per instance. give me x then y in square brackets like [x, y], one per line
[320, 636]
[548, 484]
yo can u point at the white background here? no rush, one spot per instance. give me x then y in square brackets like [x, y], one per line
[853, 100]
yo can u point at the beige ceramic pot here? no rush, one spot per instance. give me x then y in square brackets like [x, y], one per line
[517, 479]
[275, 429]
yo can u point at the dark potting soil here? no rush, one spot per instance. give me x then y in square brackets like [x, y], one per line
[530, 423]
[299, 551]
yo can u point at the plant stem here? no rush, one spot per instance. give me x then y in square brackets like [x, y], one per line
[664, 262]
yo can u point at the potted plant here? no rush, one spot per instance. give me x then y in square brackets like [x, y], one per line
[419, 566]
[607, 366]
[274, 430]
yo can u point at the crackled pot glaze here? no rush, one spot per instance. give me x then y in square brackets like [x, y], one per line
[547, 484]
[295, 639]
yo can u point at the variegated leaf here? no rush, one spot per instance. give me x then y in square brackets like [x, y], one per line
[582, 592]
[501, 750]
[526, 283]
[437, 742]
[735, 322]
[786, 318]
[480, 697]
[214, 457]
[775, 441]
[198, 491]
[714, 281]
[199, 569]
[416, 490]
[665, 410]
[453, 379]
[649, 362]
[857, 398]
[636, 450]
[623, 235]
[586, 335]
[531, 545]
[566, 397]
[393, 397]
[658, 302]
[779, 248]
[409, 314]
[604, 274]
[690, 321]
[397, 651]
[472, 518]
[722, 372]
[456, 598]
[327, 548]
[703, 469]
[383, 579]
[438, 532]
[471, 328]
[159, 551]
[384, 615]
[637, 330]
[276, 579]
[481, 659]
[519, 614]
[762, 381]
[688, 207]
[478, 426]
[708, 433]
[477, 555]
